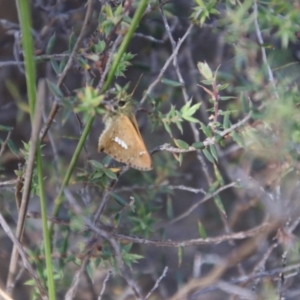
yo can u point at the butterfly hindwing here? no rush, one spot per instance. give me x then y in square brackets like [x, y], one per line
[122, 141]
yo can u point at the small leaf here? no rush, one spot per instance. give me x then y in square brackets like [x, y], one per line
[104, 180]
[51, 44]
[214, 186]
[55, 90]
[208, 155]
[108, 11]
[226, 121]
[117, 220]
[238, 139]
[72, 41]
[213, 151]
[110, 174]
[99, 47]
[205, 70]
[218, 175]
[179, 126]
[180, 158]
[119, 199]
[89, 271]
[223, 86]
[170, 211]
[191, 119]
[5, 128]
[207, 82]
[96, 164]
[62, 64]
[224, 98]
[220, 205]
[192, 109]
[198, 145]
[168, 129]
[55, 66]
[170, 82]
[83, 63]
[30, 282]
[201, 230]
[181, 144]
[77, 223]
[13, 148]
[186, 107]
[218, 139]
[180, 255]
[206, 130]
[97, 175]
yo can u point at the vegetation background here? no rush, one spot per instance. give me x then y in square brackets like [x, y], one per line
[216, 86]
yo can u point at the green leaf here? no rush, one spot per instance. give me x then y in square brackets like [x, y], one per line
[55, 66]
[185, 108]
[220, 205]
[205, 70]
[170, 82]
[218, 175]
[77, 223]
[191, 119]
[119, 199]
[192, 109]
[179, 126]
[5, 128]
[83, 63]
[198, 145]
[223, 86]
[51, 44]
[110, 174]
[96, 164]
[72, 41]
[89, 271]
[206, 130]
[168, 129]
[55, 90]
[99, 47]
[226, 121]
[207, 82]
[181, 144]
[201, 230]
[224, 98]
[213, 151]
[238, 139]
[180, 158]
[30, 282]
[98, 174]
[170, 211]
[62, 64]
[208, 155]
[13, 148]
[180, 255]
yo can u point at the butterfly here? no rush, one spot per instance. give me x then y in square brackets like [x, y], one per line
[122, 140]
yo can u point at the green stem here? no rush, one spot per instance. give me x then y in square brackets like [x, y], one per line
[27, 43]
[47, 239]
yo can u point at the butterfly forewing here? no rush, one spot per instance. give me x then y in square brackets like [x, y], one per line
[123, 142]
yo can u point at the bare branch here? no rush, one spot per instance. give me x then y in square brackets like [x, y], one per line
[23, 255]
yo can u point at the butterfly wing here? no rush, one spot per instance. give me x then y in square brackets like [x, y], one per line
[122, 141]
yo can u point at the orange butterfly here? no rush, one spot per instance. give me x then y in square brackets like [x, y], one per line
[122, 140]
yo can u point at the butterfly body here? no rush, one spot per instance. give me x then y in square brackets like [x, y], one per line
[122, 140]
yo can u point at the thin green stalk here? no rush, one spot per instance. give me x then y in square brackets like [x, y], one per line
[47, 239]
[135, 21]
[25, 23]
